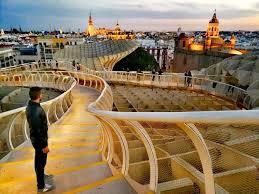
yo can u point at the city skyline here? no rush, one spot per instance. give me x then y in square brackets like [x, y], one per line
[136, 15]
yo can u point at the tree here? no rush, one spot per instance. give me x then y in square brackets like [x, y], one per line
[15, 31]
[139, 59]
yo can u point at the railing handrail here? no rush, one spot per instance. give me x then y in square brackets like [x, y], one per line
[10, 112]
[196, 76]
[180, 75]
[15, 66]
[212, 117]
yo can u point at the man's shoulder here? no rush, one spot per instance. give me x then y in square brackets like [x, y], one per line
[34, 108]
[41, 109]
[28, 107]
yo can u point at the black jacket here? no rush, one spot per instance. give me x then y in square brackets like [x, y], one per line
[38, 125]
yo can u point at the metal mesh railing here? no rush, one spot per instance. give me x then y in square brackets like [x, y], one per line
[234, 154]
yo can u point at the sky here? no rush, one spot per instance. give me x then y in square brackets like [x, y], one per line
[145, 15]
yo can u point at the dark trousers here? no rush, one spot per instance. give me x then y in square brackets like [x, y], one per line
[39, 165]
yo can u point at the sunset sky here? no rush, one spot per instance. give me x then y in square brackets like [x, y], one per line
[132, 14]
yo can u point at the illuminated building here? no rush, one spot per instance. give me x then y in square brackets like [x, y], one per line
[211, 41]
[91, 31]
[115, 34]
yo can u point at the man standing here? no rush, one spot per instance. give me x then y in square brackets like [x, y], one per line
[185, 77]
[38, 125]
[160, 72]
[153, 74]
[189, 78]
[56, 64]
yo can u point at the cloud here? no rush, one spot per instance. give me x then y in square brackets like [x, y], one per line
[126, 12]
[57, 12]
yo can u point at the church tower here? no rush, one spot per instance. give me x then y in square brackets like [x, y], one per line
[91, 31]
[117, 27]
[213, 27]
[90, 21]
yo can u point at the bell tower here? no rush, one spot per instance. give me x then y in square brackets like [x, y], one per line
[90, 21]
[91, 31]
[213, 27]
[117, 27]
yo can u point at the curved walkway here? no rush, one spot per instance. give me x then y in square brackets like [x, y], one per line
[74, 158]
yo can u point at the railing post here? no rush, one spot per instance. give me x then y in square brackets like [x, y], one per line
[203, 152]
[123, 142]
[141, 132]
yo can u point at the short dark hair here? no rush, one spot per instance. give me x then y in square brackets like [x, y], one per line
[35, 93]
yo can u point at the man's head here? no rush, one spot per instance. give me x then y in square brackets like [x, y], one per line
[35, 94]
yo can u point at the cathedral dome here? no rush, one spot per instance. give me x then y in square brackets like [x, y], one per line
[117, 27]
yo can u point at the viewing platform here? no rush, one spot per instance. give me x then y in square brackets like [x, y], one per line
[118, 132]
